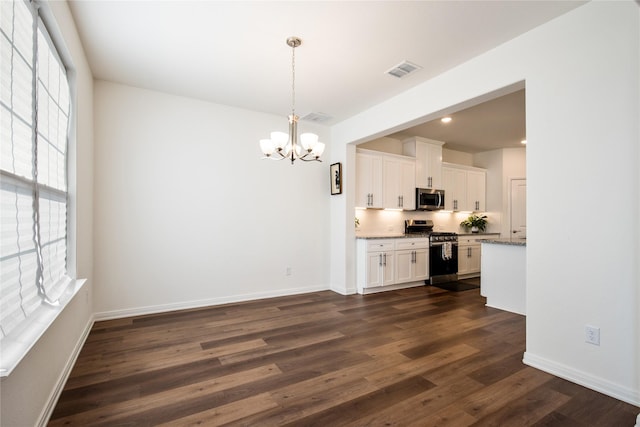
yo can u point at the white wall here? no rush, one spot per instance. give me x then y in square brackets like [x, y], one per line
[188, 214]
[581, 72]
[27, 395]
[502, 165]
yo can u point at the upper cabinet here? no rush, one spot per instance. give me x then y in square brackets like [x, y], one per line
[455, 189]
[385, 181]
[464, 188]
[368, 180]
[398, 184]
[428, 154]
[476, 190]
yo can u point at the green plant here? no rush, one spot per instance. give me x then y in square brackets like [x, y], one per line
[475, 221]
[357, 222]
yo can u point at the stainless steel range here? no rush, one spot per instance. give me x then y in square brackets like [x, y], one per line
[443, 250]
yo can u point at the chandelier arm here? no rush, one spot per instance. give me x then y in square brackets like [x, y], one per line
[304, 158]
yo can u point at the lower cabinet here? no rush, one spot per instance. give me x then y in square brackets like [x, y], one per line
[470, 254]
[391, 263]
[469, 260]
[379, 269]
[412, 260]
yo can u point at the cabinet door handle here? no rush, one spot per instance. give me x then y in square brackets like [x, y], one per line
[401, 201]
[469, 251]
[430, 182]
[384, 259]
[380, 260]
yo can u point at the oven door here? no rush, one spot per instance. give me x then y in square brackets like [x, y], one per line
[441, 269]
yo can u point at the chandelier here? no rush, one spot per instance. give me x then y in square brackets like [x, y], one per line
[285, 146]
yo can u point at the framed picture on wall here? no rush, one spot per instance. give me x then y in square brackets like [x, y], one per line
[335, 173]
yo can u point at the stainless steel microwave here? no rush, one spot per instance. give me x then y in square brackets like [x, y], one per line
[428, 199]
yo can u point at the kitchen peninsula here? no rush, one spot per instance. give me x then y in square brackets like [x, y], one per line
[504, 274]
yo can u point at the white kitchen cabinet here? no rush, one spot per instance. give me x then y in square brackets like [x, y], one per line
[470, 254]
[412, 260]
[369, 180]
[455, 189]
[469, 260]
[428, 154]
[476, 190]
[398, 183]
[380, 259]
[464, 188]
[385, 264]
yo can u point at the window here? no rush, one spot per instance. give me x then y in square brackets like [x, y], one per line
[35, 113]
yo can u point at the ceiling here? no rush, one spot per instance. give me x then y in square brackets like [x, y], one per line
[497, 123]
[234, 52]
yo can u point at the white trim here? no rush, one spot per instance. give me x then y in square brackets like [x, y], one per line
[162, 308]
[584, 379]
[342, 291]
[395, 287]
[52, 401]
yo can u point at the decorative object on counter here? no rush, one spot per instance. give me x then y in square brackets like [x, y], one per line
[335, 173]
[286, 146]
[475, 223]
[357, 222]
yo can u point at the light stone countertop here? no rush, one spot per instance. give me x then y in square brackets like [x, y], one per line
[404, 236]
[512, 242]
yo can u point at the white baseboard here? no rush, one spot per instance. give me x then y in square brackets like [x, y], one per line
[584, 379]
[161, 308]
[342, 291]
[64, 376]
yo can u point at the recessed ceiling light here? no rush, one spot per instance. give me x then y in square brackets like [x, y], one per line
[523, 142]
[445, 119]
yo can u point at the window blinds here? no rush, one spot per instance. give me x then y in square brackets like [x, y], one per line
[34, 109]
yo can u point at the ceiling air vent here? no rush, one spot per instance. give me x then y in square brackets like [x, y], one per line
[317, 117]
[403, 69]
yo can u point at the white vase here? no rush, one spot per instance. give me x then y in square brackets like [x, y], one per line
[474, 229]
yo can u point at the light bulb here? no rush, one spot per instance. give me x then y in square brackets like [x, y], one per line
[267, 147]
[308, 141]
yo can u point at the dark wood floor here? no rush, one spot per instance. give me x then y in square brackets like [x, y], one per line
[423, 356]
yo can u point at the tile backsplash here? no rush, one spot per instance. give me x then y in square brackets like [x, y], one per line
[382, 222]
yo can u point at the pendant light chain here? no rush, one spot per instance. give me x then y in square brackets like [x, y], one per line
[293, 80]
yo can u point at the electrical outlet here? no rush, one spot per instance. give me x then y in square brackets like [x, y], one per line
[592, 335]
[288, 271]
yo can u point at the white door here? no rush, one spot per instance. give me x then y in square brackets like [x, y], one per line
[519, 208]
